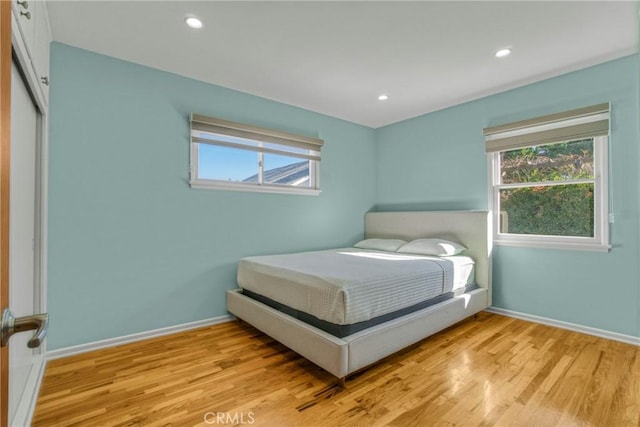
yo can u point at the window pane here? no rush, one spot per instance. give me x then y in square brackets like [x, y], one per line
[559, 210]
[552, 162]
[286, 170]
[226, 164]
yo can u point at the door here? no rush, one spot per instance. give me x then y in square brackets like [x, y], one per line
[5, 121]
[22, 232]
[19, 231]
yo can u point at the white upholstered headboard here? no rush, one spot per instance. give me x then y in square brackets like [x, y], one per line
[471, 228]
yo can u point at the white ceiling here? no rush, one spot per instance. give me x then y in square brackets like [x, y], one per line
[336, 57]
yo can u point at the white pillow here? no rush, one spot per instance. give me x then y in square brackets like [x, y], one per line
[437, 247]
[389, 245]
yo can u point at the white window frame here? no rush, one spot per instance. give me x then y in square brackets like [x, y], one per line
[259, 136]
[600, 240]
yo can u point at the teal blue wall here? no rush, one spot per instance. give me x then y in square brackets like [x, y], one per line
[437, 161]
[131, 246]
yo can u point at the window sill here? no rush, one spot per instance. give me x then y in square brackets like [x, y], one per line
[214, 185]
[587, 247]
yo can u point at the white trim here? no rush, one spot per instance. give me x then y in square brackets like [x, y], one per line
[588, 247]
[27, 405]
[44, 217]
[601, 150]
[210, 184]
[125, 339]
[546, 183]
[41, 102]
[260, 167]
[205, 184]
[600, 240]
[24, 59]
[615, 336]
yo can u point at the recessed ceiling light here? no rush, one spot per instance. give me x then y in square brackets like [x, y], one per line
[503, 52]
[193, 22]
[383, 97]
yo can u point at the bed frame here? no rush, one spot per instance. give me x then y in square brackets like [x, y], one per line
[344, 356]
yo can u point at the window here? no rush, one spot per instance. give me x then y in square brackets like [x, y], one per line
[234, 156]
[548, 180]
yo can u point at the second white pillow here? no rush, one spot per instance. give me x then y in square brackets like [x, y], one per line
[437, 247]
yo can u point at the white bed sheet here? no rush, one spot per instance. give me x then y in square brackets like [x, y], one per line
[350, 285]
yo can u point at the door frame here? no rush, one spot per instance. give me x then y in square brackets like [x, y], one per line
[21, 58]
[5, 144]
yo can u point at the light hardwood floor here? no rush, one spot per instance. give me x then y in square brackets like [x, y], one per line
[492, 370]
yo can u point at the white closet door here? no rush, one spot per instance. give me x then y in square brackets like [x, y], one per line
[22, 220]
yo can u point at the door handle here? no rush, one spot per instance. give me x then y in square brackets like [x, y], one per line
[12, 325]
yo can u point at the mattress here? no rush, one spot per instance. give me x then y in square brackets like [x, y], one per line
[350, 286]
[342, 331]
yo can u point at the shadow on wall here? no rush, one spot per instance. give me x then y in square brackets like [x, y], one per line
[462, 205]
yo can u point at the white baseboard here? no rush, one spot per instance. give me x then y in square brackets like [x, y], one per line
[629, 339]
[27, 404]
[112, 342]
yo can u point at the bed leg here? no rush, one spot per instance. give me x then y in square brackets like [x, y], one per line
[342, 382]
[475, 316]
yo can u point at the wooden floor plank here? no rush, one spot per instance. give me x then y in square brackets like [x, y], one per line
[488, 371]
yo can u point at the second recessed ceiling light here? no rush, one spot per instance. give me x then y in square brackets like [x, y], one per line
[503, 52]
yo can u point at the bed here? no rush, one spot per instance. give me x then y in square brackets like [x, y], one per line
[341, 336]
